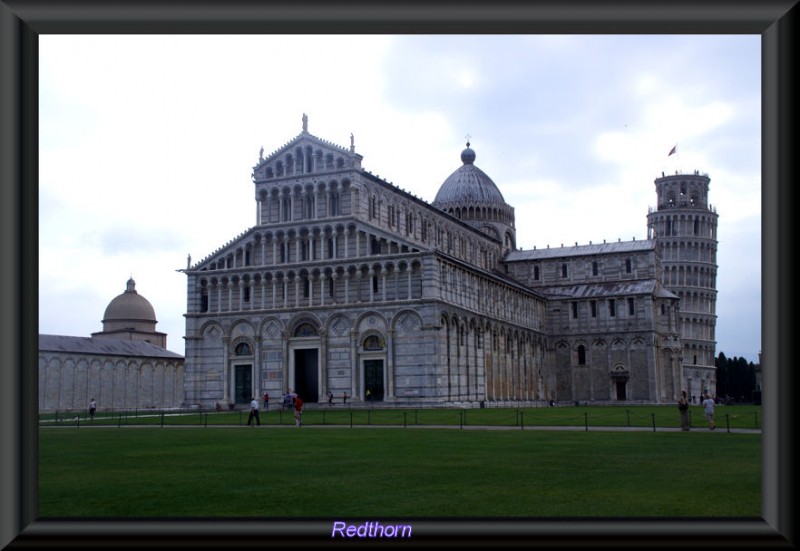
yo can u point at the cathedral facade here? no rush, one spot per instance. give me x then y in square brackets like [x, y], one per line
[350, 285]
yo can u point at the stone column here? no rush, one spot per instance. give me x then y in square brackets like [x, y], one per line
[389, 364]
[354, 378]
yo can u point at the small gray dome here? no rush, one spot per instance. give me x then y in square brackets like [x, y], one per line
[130, 306]
[468, 184]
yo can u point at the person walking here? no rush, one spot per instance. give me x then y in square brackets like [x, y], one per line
[683, 408]
[330, 398]
[708, 406]
[253, 412]
[344, 397]
[92, 408]
[266, 400]
[298, 411]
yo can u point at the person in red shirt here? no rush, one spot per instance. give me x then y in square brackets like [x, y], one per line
[298, 411]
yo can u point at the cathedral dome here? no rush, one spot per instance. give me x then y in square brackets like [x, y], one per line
[468, 185]
[130, 306]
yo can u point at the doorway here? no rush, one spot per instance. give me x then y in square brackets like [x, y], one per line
[621, 390]
[373, 380]
[306, 374]
[243, 384]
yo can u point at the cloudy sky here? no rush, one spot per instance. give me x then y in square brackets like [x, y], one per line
[147, 144]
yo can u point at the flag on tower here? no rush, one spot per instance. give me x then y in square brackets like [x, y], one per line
[673, 150]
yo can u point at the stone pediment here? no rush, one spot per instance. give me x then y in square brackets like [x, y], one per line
[218, 259]
[303, 155]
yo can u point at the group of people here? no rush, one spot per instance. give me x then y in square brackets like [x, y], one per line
[291, 399]
[708, 409]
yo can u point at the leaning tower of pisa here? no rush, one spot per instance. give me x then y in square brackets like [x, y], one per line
[684, 225]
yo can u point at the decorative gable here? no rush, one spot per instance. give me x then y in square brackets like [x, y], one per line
[304, 155]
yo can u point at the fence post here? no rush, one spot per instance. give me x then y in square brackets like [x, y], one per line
[351, 419]
[522, 420]
[404, 420]
[461, 419]
[728, 421]
[586, 420]
[654, 421]
[205, 424]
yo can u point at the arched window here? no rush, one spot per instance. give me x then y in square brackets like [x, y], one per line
[334, 204]
[373, 342]
[242, 349]
[305, 330]
[581, 355]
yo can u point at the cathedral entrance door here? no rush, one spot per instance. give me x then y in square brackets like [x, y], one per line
[373, 380]
[306, 374]
[621, 390]
[243, 384]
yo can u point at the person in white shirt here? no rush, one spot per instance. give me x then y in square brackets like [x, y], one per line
[253, 412]
[708, 404]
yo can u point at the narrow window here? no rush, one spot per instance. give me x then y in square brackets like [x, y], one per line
[334, 204]
[287, 209]
[581, 355]
[306, 288]
[593, 304]
[631, 310]
[330, 247]
[628, 265]
[663, 309]
[374, 284]
[563, 270]
[247, 258]
[247, 294]
[612, 307]
[574, 309]
[594, 268]
[697, 226]
[204, 301]
[536, 273]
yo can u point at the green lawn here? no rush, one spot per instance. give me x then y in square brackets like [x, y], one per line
[393, 472]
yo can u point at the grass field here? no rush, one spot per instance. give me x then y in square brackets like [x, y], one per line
[284, 472]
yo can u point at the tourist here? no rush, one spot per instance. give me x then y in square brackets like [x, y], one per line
[708, 405]
[298, 411]
[253, 412]
[330, 397]
[683, 408]
[344, 397]
[266, 400]
[92, 408]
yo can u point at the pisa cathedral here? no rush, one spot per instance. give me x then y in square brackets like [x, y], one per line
[349, 284]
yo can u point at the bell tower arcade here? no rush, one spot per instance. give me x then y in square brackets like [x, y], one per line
[684, 226]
